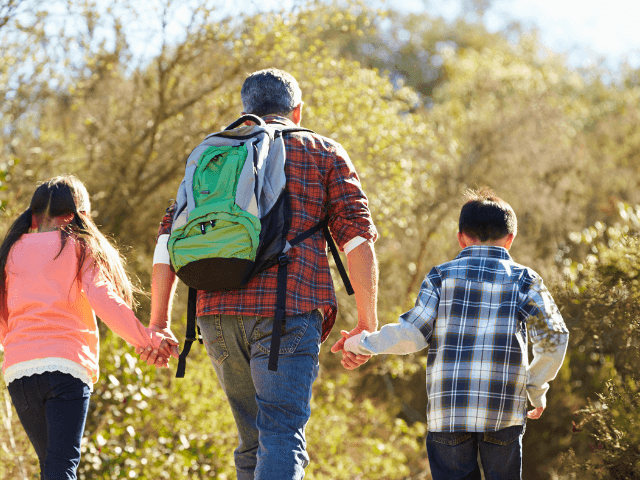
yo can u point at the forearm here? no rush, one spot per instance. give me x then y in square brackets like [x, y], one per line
[363, 272]
[395, 338]
[115, 312]
[550, 337]
[546, 363]
[163, 287]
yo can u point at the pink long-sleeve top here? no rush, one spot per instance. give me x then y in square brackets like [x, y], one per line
[51, 324]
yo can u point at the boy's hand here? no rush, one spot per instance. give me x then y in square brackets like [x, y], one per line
[351, 344]
[339, 345]
[535, 413]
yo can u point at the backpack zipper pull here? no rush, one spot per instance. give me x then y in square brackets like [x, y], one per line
[203, 228]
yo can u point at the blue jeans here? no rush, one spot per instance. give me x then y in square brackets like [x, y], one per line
[52, 408]
[454, 456]
[271, 409]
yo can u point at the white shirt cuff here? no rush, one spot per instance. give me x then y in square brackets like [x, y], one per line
[161, 254]
[353, 243]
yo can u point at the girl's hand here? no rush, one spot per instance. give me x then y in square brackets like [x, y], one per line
[170, 344]
[165, 346]
[153, 356]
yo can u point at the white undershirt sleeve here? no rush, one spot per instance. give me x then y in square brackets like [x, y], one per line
[161, 253]
[353, 243]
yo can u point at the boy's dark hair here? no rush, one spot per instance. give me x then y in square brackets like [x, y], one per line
[485, 216]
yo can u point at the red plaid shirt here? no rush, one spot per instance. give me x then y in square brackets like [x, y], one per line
[321, 180]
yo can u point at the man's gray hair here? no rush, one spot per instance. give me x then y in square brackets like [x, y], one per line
[270, 92]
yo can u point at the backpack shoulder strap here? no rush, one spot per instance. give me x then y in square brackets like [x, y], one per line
[324, 226]
[280, 313]
[244, 118]
[191, 332]
[281, 289]
[283, 130]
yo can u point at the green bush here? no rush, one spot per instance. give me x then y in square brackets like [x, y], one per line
[600, 305]
[145, 424]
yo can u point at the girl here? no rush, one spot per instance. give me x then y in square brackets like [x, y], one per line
[51, 282]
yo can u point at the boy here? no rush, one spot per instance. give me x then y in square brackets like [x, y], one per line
[473, 314]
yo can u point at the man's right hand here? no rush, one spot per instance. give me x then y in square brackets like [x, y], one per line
[350, 360]
[363, 270]
[153, 356]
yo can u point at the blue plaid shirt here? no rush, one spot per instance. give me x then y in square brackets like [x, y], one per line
[474, 313]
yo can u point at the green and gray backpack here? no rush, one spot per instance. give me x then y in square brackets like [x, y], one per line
[232, 217]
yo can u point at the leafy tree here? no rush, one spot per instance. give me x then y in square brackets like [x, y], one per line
[600, 300]
[533, 129]
[124, 131]
[425, 108]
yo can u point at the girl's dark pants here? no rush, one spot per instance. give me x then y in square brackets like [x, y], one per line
[52, 408]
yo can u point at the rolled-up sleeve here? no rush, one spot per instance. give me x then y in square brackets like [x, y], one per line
[549, 336]
[349, 214]
[167, 221]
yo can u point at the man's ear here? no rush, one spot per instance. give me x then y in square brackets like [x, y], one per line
[296, 114]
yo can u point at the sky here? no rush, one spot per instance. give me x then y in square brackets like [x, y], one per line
[586, 30]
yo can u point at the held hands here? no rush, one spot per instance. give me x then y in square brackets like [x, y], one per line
[350, 360]
[160, 356]
[351, 344]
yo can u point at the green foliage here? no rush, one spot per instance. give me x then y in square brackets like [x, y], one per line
[425, 108]
[146, 424]
[612, 423]
[381, 448]
[600, 300]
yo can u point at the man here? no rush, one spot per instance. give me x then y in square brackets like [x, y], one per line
[271, 409]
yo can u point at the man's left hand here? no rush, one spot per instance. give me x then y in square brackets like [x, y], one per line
[168, 348]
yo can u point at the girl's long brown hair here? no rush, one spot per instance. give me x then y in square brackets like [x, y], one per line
[64, 195]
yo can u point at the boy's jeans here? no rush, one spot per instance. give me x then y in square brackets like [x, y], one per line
[52, 408]
[271, 409]
[454, 456]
